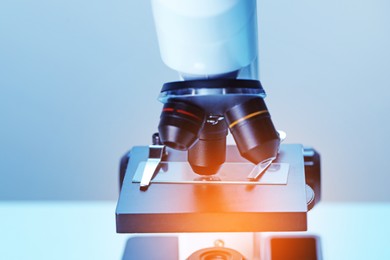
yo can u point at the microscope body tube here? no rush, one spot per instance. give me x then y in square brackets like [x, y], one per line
[207, 39]
[212, 41]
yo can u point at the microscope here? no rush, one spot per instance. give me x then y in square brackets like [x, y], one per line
[188, 185]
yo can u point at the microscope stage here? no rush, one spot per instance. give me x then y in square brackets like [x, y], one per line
[175, 202]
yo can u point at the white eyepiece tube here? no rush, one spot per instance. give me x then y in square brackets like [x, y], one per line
[206, 38]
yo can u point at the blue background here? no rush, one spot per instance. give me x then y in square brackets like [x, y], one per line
[79, 82]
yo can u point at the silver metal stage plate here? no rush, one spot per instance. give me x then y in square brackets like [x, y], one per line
[230, 173]
[236, 205]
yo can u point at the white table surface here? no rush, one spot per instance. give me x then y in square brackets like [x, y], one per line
[86, 230]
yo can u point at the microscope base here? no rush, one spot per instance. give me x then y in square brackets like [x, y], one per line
[293, 246]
